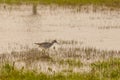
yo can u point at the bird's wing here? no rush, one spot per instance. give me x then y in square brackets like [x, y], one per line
[45, 43]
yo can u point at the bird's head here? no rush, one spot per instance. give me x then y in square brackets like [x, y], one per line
[54, 41]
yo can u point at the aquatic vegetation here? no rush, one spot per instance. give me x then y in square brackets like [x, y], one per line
[108, 69]
[60, 64]
[73, 42]
[8, 73]
[71, 62]
[63, 63]
[111, 3]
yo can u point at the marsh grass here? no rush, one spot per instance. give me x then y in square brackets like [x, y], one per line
[109, 27]
[108, 69]
[71, 62]
[110, 3]
[8, 73]
[73, 42]
[104, 64]
[62, 54]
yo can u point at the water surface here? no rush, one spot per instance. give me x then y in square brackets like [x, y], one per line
[20, 29]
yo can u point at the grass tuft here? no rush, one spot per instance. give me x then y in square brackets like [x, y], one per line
[109, 69]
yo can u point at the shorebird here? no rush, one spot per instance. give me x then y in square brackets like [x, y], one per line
[46, 45]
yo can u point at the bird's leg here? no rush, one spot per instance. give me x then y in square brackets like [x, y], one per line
[48, 52]
[54, 47]
[43, 51]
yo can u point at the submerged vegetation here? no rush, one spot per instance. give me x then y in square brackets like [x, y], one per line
[111, 3]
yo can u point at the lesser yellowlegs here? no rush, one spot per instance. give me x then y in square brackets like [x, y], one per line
[46, 45]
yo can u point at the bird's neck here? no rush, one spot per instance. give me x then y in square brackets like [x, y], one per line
[53, 42]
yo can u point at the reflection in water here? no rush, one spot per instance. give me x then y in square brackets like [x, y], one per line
[34, 9]
[18, 27]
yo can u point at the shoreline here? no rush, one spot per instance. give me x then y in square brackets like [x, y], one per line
[69, 3]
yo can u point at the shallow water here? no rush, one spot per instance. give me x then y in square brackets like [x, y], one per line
[19, 29]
